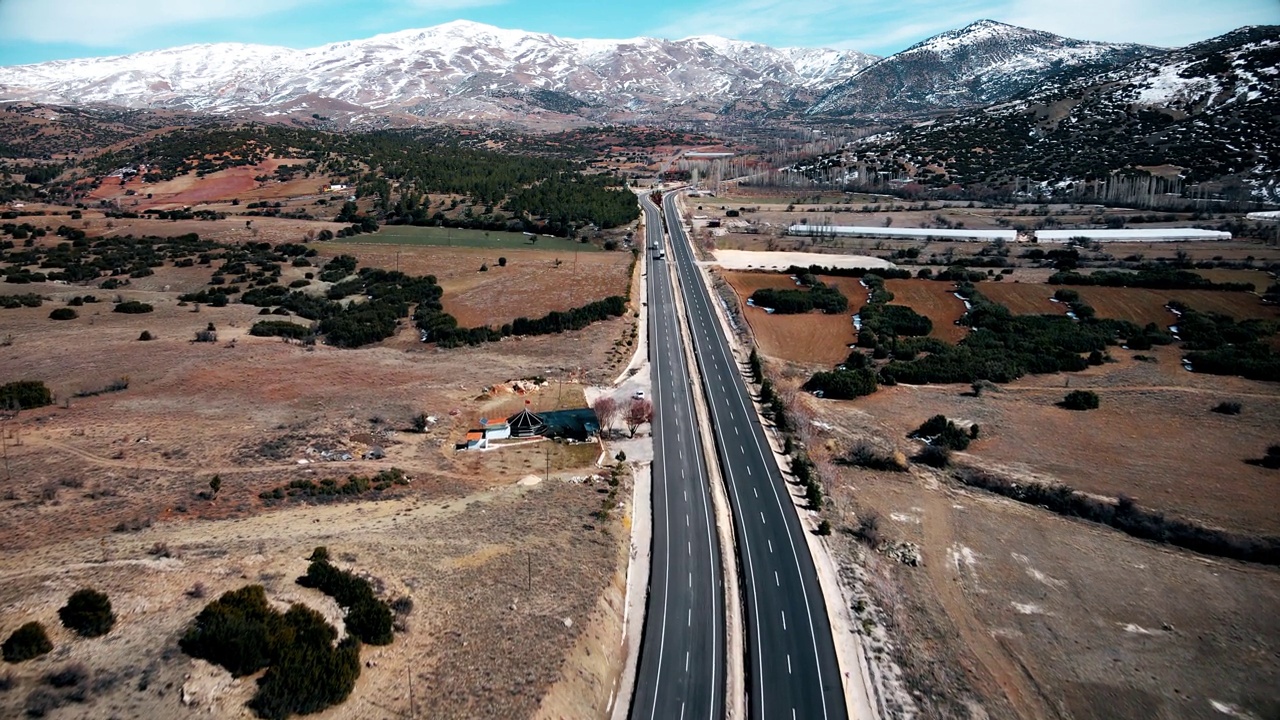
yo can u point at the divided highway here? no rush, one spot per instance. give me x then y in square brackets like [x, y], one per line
[792, 671]
[681, 671]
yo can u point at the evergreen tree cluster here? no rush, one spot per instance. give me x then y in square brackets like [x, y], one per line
[438, 326]
[279, 328]
[567, 199]
[942, 432]
[1159, 277]
[306, 673]
[1218, 345]
[368, 618]
[787, 301]
[25, 394]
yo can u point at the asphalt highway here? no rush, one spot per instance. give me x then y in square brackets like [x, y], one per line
[792, 671]
[681, 671]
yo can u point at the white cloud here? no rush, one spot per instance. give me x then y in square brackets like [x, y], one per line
[113, 22]
[1168, 23]
[883, 27]
[110, 22]
[868, 25]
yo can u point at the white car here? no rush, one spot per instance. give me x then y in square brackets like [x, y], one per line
[639, 394]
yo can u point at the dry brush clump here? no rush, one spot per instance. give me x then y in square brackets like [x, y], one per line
[1126, 515]
[865, 455]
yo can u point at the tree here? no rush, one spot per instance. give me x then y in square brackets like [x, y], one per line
[215, 485]
[639, 412]
[502, 262]
[88, 612]
[607, 410]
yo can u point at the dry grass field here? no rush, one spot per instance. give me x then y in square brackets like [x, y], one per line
[1029, 614]
[104, 491]
[813, 338]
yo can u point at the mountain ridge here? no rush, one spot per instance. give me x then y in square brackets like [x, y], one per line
[471, 72]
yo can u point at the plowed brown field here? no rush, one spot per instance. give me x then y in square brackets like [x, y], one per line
[1023, 298]
[814, 338]
[1143, 306]
[936, 301]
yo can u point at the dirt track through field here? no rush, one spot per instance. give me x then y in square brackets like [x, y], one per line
[1011, 677]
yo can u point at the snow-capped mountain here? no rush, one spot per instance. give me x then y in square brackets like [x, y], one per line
[459, 70]
[1205, 113]
[982, 63]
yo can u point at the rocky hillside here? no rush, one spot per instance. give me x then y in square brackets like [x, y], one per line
[979, 64]
[1206, 112]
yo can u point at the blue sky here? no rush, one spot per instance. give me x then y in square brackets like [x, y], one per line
[39, 30]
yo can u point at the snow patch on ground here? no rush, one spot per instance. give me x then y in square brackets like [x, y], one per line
[1028, 608]
[904, 518]
[1137, 629]
[756, 260]
[1234, 711]
[963, 557]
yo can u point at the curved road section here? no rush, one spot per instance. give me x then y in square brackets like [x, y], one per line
[792, 668]
[681, 671]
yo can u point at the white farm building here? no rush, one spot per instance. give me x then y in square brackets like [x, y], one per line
[902, 233]
[1132, 235]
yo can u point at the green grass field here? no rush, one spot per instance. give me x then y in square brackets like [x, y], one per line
[455, 237]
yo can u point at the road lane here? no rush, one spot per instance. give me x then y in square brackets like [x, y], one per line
[681, 670]
[792, 667]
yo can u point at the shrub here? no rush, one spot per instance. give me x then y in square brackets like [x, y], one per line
[133, 307]
[367, 617]
[1125, 515]
[938, 456]
[310, 674]
[27, 642]
[63, 313]
[1228, 408]
[864, 455]
[239, 631]
[868, 529]
[1080, 400]
[242, 632]
[25, 394]
[88, 612]
[1271, 460]
[824, 528]
[67, 676]
[146, 336]
[940, 431]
